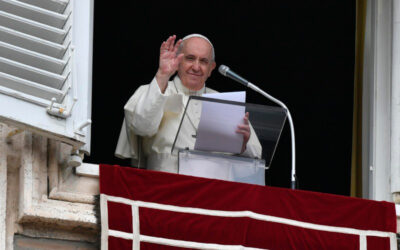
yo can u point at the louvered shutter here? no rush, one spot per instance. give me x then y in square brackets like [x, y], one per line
[45, 67]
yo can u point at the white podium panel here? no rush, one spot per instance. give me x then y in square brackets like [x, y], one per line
[222, 167]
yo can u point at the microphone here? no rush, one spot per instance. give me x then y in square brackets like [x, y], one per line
[224, 70]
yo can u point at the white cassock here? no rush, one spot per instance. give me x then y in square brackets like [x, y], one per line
[152, 120]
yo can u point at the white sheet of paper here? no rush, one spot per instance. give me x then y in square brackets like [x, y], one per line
[218, 124]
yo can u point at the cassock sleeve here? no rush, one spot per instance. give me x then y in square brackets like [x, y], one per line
[145, 109]
[143, 114]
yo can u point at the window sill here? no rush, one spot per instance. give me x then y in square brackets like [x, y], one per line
[88, 170]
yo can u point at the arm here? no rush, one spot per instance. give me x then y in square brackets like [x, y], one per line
[145, 109]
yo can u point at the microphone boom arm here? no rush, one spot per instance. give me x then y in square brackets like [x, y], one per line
[293, 174]
[224, 70]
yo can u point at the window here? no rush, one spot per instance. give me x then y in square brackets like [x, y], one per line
[46, 67]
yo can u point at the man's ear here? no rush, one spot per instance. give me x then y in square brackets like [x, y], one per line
[213, 65]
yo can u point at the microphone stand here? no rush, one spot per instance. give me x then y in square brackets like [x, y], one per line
[293, 174]
[225, 71]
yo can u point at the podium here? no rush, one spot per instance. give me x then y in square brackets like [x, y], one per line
[266, 124]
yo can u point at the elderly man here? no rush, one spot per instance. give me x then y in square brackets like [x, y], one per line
[155, 110]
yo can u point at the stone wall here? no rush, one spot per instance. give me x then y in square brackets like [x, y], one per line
[40, 196]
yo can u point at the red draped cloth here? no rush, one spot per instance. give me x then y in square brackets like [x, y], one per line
[155, 210]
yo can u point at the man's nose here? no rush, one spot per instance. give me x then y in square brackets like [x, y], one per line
[196, 65]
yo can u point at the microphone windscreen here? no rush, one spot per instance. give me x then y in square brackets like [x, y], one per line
[223, 69]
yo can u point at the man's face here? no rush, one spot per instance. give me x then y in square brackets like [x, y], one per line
[197, 64]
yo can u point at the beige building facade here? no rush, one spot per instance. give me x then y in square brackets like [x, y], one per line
[44, 203]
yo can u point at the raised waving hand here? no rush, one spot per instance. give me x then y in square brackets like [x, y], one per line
[169, 61]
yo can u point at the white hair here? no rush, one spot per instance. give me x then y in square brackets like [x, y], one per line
[201, 36]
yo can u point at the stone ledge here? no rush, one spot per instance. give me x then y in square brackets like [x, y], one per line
[62, 213]
[55, 194]
[22, 242]
[88, 169]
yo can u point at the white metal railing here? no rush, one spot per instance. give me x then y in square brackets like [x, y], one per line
[137, 237]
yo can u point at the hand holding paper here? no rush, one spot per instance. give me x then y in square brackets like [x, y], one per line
[223, 127]
[244, 129]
